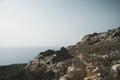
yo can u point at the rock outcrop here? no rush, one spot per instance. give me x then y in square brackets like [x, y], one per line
[97, 38]
[101, 50]
[53, 64]
[95, 57]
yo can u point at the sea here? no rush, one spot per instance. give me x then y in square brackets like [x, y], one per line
[18, 55]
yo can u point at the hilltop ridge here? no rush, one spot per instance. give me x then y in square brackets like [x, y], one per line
[95, 57]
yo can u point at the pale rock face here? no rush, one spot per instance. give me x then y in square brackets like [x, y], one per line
[70, 74]
[105, 56]
[70, 69]
[84, 39]
[63, 77]
[115, 69]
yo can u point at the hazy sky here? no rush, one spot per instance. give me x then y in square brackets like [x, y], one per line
[54, 22]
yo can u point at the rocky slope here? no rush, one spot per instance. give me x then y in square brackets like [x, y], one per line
[95, 57]
[102, 50]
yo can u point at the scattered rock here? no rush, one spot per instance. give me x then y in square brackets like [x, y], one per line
[95, 57]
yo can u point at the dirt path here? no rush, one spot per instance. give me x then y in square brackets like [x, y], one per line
[90, 68]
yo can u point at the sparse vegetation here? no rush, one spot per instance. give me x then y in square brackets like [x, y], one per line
[101, 50]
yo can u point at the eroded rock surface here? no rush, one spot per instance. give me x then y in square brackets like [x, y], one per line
[95, 57]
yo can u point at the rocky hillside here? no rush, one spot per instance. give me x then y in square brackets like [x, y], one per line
[101, 50]
[95, 57]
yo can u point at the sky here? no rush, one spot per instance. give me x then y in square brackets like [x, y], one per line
[30, 23]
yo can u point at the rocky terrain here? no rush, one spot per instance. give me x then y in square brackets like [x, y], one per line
[95, 57]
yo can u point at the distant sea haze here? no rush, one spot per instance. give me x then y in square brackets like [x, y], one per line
[16, 55]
